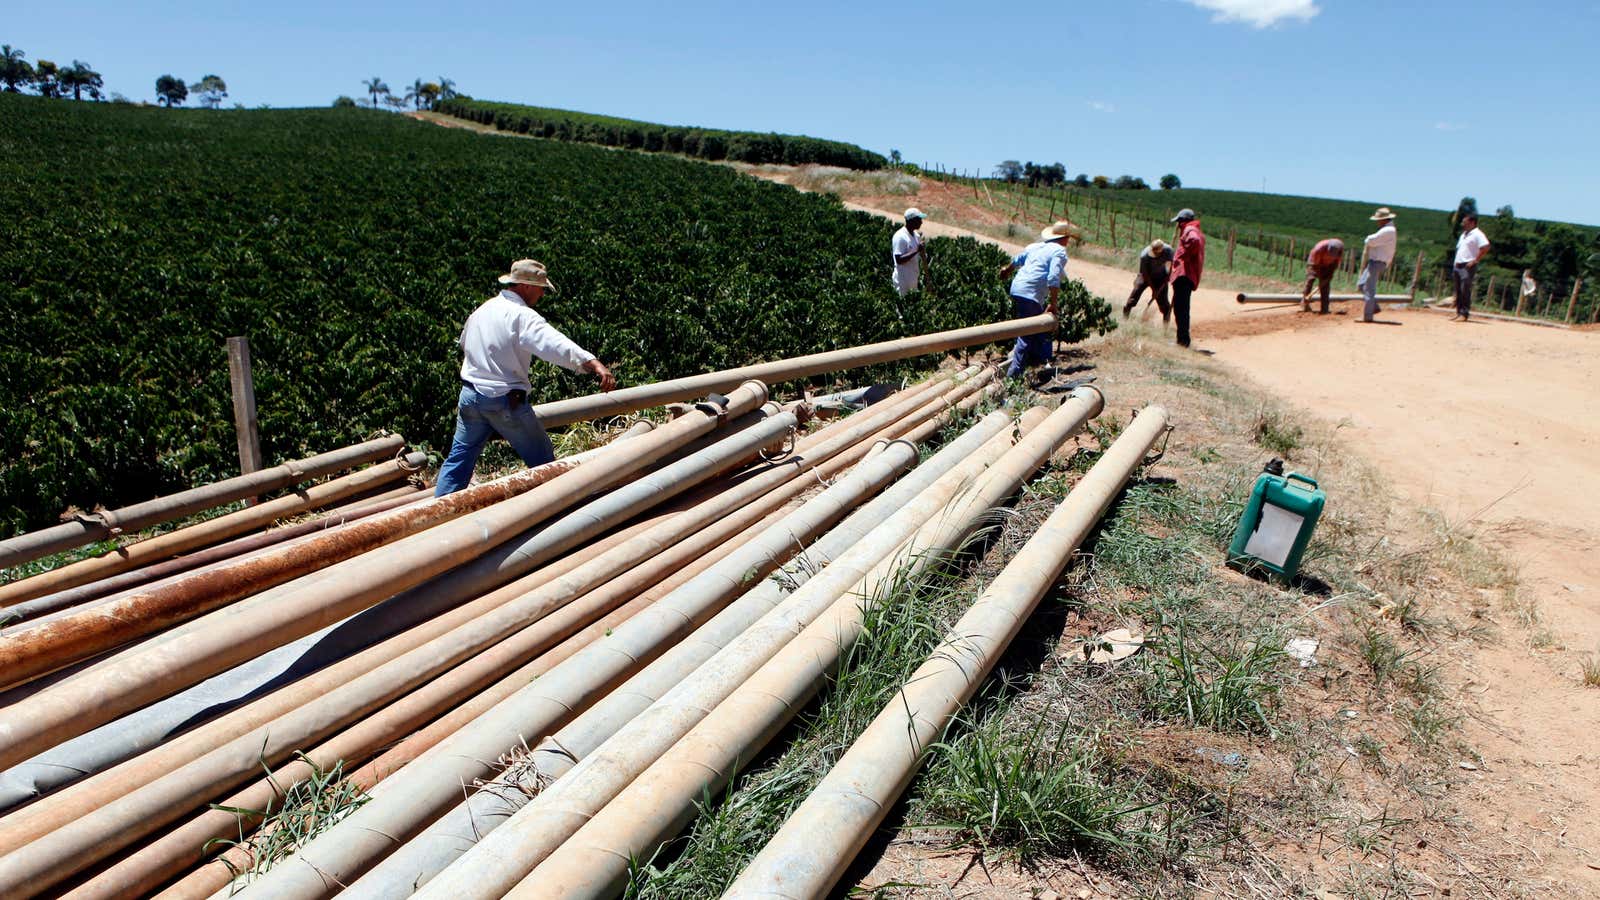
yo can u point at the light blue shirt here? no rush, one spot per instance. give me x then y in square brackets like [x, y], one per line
[1039, 268]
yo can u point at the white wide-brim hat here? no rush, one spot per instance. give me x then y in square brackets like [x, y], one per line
[528, 271]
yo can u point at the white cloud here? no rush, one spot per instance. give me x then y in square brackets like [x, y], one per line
[1259, 13]
[1102, 106]
[1448, 126]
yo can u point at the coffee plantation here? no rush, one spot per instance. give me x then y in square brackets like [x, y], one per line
[349, 246]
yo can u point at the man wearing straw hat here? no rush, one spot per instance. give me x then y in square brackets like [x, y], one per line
[498, 343]
[1379, 250]
[1035, 276]
[1155, 268]
[908, 253]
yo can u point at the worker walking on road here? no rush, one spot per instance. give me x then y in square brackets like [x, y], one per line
[1155, 270]
[1187, 268]
[1321, 263]
[1470, 248]
[1036, 288]
[1380, 246]
[497, 345]
[908, 252]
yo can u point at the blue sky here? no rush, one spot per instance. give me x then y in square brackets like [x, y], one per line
[1402, 103]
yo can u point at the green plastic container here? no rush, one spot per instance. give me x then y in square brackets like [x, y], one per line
[1277, 522]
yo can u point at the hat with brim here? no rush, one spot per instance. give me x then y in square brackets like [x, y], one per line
[528, 271]
[1185, 215]
[1382, 215]
[914, 213]
[1060, 231]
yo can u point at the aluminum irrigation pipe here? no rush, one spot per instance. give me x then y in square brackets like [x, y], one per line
[821, 838]
[411, 798]
[738, 573]
[1336, 298]
[626, 400]
[60, 853]
[496, 865]
[421, 859]
[545, 642]
[71, 708]
[45, 646]
[201, 534]
[91, 527]
[211, 555]
[594, 861]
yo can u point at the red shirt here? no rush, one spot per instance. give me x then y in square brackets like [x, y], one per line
[1326, 253]
[1191, 253]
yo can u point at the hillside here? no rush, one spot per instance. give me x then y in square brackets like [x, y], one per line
[705, 143]
[349, 246]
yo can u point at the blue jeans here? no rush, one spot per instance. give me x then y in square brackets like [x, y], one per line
[478, 418]
[1031, 349]
[1368, 283]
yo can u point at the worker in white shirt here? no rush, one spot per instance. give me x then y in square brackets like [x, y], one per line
[1470, 249]
[1380, 255]
[498, 343]
[1530, 289]
[908, 253]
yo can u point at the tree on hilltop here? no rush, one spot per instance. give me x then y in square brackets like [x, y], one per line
[1170, 182]
[1009, 170]
[211, 89]
[447, 89]
[171, 91]
[1081, 181]
[15, 70]
[375, 87]
[343, 101]
[46, 78]
[80, 78]
[1102, 182]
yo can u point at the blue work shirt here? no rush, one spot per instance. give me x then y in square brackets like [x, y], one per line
[1039, 268]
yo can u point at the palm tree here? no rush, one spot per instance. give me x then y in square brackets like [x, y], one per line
[447, 88]
[46, 76]
[14, 69]
[375, 86]
[80, 77]
[415, 93]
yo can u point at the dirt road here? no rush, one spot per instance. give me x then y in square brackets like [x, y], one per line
[1497, 426]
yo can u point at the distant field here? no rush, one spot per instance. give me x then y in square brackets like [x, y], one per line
[705, 143]
[349, 245]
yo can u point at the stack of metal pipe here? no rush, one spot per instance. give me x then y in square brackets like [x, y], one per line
[532, 680]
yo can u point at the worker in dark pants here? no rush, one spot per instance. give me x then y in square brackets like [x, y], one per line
[1321, 263]
[1155, 270]
[1187, 268]
[1470, 248]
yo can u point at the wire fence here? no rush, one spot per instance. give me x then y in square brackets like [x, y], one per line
[1117, 223]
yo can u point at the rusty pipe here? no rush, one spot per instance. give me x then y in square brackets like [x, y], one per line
[821, 837]
[71, 708]
[201, 534]
[627, 400]
[90, 527]
[593, 862]
[1337, 298]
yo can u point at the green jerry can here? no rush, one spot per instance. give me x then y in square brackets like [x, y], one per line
[1277, 522]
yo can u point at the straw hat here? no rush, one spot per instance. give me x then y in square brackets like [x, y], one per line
[1382, 215]
[1158, 247]
[1060, 231]
[528, 271]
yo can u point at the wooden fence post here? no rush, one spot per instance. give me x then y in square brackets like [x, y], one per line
[1573, 303]
[1113, 228]
[1416, 274]
[244, 405]
[1233, 235]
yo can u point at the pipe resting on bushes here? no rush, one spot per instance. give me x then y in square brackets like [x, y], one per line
[72, 846]
[201, 534]
[626, 400]
[90, 527]
[473, 821]
[594, 861]
[152, 672]
[821, 837]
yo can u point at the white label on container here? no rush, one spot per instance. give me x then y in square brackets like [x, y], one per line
[1274, 535]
